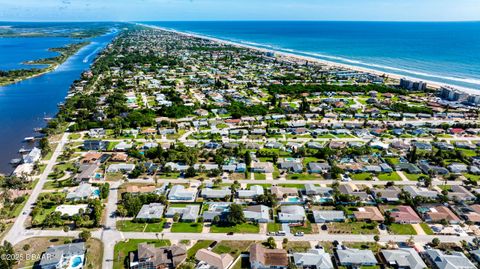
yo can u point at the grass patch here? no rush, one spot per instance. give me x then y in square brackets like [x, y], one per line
[259, 176]
[352, 228]
[130, 226]
[426, 228]
[239, 228]
[303, 176]
[122, 249]
[361, 176]
[413, 177]
[393, 176]
[199, 245]
[402, 229]
[233, 248]
[307, 228]
[297, 246]
[274, 227]
[185, 227]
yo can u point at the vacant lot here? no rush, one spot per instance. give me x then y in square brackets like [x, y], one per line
[353, 228]
[233, 248]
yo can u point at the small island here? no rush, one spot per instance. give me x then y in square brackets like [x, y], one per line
[13, 76]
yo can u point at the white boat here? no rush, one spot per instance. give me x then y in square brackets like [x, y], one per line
[29, 138]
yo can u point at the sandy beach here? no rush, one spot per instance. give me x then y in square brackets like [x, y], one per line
[302, 58]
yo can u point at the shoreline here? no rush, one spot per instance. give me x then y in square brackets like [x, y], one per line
[330, 64]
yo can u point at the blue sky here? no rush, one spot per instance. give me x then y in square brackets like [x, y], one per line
[136, 10]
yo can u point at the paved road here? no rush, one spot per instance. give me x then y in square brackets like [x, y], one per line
[15, 234]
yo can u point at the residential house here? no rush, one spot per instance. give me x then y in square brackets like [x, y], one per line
[262, 167]
[319, 168]
[389, 195]
[254, 191]
[403, 258]
[460, 193]
[61, 256]
[33, 156]
[87, 172]
[439, 213]
[95, 145]
[82, 192]
[281, 192]
[120, 167]
[422, 192]
[452, 260]
[209, 193]
[368, 213]
[149, 256]
[405, 214]
[313, 259]
[213, 260]
[188, 213]
[291, 214]
[323, 216]
[180, 193]
[153, 211]
[257, 213]
[355, 257]
[264, 258]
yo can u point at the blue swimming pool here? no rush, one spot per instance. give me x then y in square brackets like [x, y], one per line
[96, 193]
[76, 262]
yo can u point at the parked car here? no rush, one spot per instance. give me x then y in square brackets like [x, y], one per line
[299, 234]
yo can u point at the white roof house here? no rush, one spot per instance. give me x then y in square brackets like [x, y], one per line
[34, 155]
[258, 213]
[253, 192]
[314, 258]
[187, 213]
[120, 167]
[454, 260]
[291, 213]
[180, 193]
[403, 258]
[151, 211]
[83, 191]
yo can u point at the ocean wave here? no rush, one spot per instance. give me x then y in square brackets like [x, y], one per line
[343, 60]
[379, 66]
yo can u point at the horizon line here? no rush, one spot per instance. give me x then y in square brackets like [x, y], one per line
[256, 20]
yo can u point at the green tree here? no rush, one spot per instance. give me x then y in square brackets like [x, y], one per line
[85, 235]
[235, 215]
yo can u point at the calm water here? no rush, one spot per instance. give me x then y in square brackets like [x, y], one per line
[15, 51]
[442, 52]
[24, 105]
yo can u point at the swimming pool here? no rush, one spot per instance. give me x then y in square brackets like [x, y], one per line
[76, 262]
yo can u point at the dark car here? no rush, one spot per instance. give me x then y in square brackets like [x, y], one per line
[230, 233]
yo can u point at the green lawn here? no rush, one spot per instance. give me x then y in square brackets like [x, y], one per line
[402, 229]
[356, 227]
[426, 228]
[239, 228]
[185, 227]
[122, 249]
[199, 245]
[259, 176]
[303, 176]
[233, 248]
[298, 246]
[361, 176]
[413, 177]
[307, 228]
[273, 227]
[389, 177]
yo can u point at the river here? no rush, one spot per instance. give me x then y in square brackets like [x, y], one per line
[24, 105]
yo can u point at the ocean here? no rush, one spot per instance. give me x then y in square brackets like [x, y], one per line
[443, 52]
